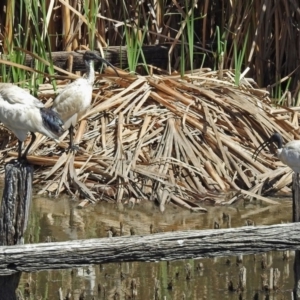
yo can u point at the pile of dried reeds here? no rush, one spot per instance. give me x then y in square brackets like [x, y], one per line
[167, 138]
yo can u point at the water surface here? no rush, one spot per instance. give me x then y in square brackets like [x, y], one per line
[60, 220]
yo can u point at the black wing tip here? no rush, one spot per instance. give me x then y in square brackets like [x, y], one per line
[52, 121]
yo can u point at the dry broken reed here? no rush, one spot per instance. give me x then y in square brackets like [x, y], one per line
[166, 138]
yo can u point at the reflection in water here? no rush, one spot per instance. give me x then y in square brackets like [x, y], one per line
[60, 220]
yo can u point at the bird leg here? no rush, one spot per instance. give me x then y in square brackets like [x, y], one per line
[33, 137]
[19, 149]
[72, 147]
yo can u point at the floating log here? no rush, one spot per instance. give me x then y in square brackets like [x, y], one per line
[14, 214]
[155, 247]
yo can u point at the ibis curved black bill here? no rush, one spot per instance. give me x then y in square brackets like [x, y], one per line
[260, 148]
[275, 138]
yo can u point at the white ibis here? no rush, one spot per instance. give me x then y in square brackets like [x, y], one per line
[289, 154]
[75, 99]
[21, 112]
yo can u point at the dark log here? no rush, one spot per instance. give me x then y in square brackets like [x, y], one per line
[156, 55]
[14, 214]
[155, 247]
[16, 202]
[296, 218]
[296, 198]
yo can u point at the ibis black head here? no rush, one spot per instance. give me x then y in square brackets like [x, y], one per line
[275, 138]
[92, 56]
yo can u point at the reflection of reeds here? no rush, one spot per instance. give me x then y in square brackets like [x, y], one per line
[166, 139]
[266, 34]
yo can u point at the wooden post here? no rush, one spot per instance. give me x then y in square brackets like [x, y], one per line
[14, 214]
[296, 198]
[296, 218]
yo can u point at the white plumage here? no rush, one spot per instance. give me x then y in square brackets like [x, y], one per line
[289, 154]
[75, 99]
[21, 112]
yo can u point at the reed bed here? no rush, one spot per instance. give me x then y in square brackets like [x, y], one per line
[186, 140]
[259, 35]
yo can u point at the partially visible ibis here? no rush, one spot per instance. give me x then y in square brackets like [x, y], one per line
[21, 113]
[289, 153]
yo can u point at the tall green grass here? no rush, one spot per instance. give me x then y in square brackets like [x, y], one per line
[239, 56]
[183, 24]
[31, 36]
[91, 10]
[221, 49]
[187, 53]
[134, 38]
[190, 21]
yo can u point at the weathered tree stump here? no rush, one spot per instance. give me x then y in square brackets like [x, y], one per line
[14, 215]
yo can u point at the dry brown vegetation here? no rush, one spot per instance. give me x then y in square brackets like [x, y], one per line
[165, 137]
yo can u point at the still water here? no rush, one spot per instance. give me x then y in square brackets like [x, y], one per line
[61, 220]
